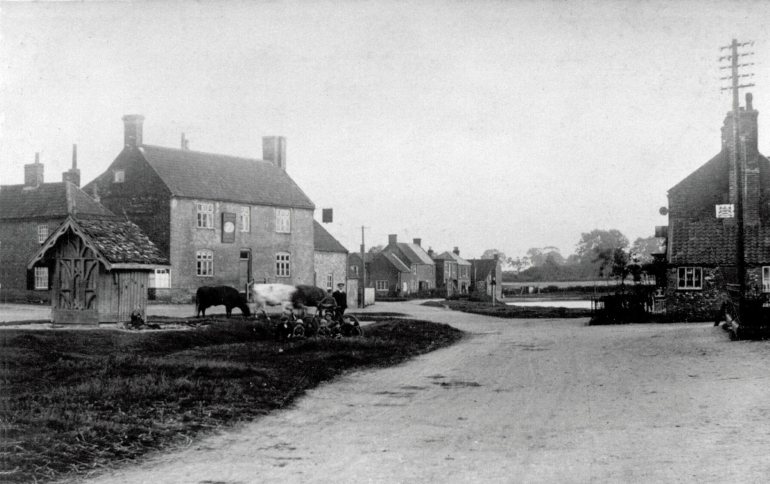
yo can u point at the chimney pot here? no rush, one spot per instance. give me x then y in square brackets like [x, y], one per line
[132, 129]
[33, 172]
[456, 251]
[749, 101]
[274, 150]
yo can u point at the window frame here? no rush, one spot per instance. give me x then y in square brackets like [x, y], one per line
[204, 218]
[378, 285]
[42, 233]
[282, 264]
[330, 281]
[41, 275]
[162, 275]
[244, 219]
[204, 263]
[765, 280]
[119, 176]
[283, 220]
[682, 275]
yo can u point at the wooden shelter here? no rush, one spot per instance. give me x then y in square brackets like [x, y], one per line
[101, 270]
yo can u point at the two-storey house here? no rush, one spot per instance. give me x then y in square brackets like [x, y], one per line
[453, 273]
[219, 219]
[412, 256]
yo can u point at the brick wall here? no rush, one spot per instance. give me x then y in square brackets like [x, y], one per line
[262, 239]
[19, 244]
[333, 263]
[142, 196]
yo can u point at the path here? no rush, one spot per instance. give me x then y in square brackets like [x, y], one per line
[520, 401]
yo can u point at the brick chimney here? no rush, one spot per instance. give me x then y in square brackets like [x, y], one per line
[33, 173]
[456, 251]
[274, 150]
[73, 174]
[392, 240]
[430, 252]
[132, 129]
[417, 242]
[748, 150]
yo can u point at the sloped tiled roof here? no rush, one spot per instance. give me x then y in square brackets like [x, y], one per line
[193, 174]
[122, 242]
[712, 242]
[483, 267]
[324, 241]
[414, 253]
[48, 200]
[395, 261]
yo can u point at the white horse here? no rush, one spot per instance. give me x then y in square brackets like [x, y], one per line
[272, 295]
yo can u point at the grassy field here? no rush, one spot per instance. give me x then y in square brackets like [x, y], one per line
[503, 311]
[80, 400]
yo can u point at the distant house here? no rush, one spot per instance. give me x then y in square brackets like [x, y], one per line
[390, 275]
[220, 220]
[354, 265]
[701, 246]
[416, 259]
[29, 213]
[453, 273]
[101, 270]
[483, 271]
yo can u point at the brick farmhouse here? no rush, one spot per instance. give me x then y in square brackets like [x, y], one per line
[701, 248]
[218, 219]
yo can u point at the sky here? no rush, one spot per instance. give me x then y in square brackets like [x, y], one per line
[472, 124]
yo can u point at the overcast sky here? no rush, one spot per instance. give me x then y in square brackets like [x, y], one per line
[474, 124]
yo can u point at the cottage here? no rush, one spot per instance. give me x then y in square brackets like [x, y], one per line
[331, 264]
[453, 273]
[100, 270]
[416, 259]
[218, 219]
[483, 273]
[701, 244]
[390, 275]
[29, 213]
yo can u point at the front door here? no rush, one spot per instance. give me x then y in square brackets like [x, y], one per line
[244, 270]
[76, 272]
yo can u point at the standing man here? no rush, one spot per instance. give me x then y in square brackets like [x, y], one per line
[341, 298]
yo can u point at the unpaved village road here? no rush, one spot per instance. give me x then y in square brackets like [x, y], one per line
[517, 401]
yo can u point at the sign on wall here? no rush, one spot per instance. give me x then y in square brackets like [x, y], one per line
[228, 227]
[726, 211]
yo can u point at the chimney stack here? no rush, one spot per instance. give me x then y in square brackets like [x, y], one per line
[392, 240]
[73, 174]
[430, 252]
[748, 150]
[132, 129]
[33, 172]
[417, 241]
[274, 150]
[185, 143]
[456, 251]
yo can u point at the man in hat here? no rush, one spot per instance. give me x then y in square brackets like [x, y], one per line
[341, 298]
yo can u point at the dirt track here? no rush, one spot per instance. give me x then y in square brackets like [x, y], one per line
[524, 401]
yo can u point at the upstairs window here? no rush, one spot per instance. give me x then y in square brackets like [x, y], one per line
[690, 278]
[119, 176]
[245, 219]
[204, 261]
[205, 215]
[283, 264]
[330, 281]
[42, 233]
[354, 270]
[283, 220]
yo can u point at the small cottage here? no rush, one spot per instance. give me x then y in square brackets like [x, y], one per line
[101, 270]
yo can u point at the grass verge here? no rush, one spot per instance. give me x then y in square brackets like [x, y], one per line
[501, 310]
[79, 401]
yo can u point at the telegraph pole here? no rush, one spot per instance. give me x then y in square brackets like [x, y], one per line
[363, 269]
[736, 160]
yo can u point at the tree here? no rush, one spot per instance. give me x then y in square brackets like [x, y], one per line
[490, 254]
[643, 248]
[598, 241]
[376, 249]
[539, 256]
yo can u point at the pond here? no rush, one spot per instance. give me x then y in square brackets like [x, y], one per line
[553, 304]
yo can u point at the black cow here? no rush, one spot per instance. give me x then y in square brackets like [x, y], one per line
[307, 296]
[208, 296]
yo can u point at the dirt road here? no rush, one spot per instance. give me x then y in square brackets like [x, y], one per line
[520, 401]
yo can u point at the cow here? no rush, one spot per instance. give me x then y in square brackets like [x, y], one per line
[208, 296]
[308, 296]
[272, 295]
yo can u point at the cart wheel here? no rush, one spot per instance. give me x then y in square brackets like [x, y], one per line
[299, 330]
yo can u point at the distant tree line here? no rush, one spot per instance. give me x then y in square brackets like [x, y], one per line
[600, 254]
